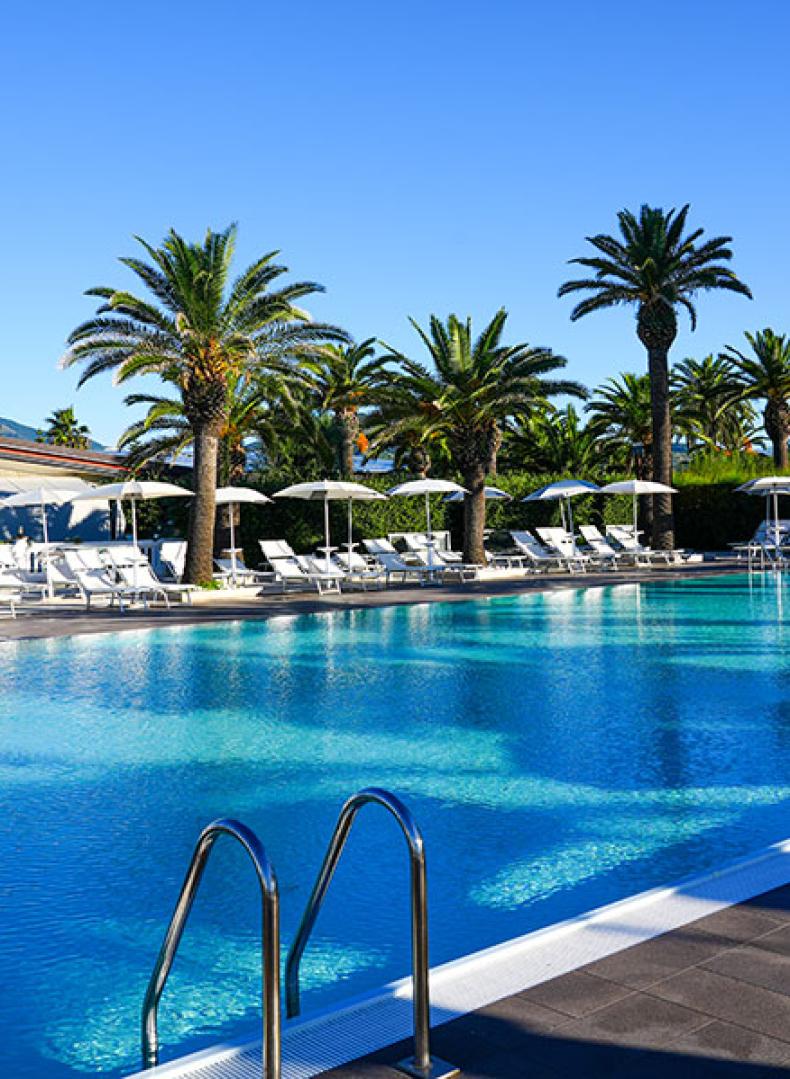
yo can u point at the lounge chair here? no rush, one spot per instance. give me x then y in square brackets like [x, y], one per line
[602, 548]
[296, 571]
[134, 572]
[94, 583]
[625, 537]
[564, 546]
[359, 571]
[435, 561]
[392, 565]
[534, 551]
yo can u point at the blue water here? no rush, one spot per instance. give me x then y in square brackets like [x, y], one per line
[560, 751]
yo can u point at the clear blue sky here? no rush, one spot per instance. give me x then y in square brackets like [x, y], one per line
[412, 156]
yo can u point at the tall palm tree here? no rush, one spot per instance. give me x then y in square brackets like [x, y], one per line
[64, 429]
[476, 384]
[195, 330]
[342, 380]
[709, 406]
[621, 419]
[656, 268]
[765, 375]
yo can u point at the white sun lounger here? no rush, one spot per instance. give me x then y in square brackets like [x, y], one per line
[359, 571]
[533, 550]
[95, 583]
[135, 573]
[564, 546]
[624, 536]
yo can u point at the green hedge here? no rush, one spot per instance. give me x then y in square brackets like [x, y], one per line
[708, 516]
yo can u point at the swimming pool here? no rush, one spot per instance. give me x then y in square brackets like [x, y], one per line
[559, 750]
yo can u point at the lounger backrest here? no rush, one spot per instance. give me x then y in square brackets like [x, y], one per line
[272, 549]
[173, 555]
[353, 561]
[624, 535]
[316, 566]
[393, 561]
[287, 567]
[591, 534]
[415, 541]
[527, 543]
[379, 546]
[559, 540]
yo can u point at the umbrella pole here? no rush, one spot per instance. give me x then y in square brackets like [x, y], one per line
[428, 526]
[231, 508]
[636, 517]
[570, 520]
[350, 534]
[326, 531]
[134, 540]
[46, 549]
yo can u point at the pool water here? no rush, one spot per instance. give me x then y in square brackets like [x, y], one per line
[559, 750]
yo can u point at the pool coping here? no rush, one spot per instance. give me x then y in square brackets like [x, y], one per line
[72, 620]
[368, 1023]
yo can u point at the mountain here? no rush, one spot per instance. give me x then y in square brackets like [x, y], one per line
[12, 429]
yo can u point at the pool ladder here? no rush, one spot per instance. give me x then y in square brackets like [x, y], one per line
[421, 1065]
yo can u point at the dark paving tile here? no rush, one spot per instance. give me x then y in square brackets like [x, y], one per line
[738, 924]
[730, 1042]
[576, 994]
[726, 998]
[638, 1022]
[660, 957]
[763, 963]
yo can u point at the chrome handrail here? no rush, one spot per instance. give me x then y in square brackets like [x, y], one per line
[270, 916]
[422, 1065]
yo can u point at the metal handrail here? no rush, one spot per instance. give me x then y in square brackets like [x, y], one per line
[270, 916]
[421, 1065]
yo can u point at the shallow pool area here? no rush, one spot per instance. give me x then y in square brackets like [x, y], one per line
[560, 750]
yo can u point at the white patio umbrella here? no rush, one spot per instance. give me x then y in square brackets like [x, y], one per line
[133, 491]
[493, 494]
[635, 488]
[770, 487]
[327, 491]
[427, 487]
[40, 497]
[564, 491]
[232, 497]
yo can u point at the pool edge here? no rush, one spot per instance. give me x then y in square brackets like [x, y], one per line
[368, 1023]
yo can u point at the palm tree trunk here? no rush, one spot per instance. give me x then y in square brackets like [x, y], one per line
[202, 508]
[776, 428]
[475, 515]
[663, 522]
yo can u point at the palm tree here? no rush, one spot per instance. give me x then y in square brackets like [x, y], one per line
[709, 406]
[63, 429]
[765, 375]
[343, 379]
[552, 440]
[657, 269]
[476, 385]
[195, 331]
[621, 419]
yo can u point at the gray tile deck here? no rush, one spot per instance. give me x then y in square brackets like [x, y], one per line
[66, 618]
[710, 999]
